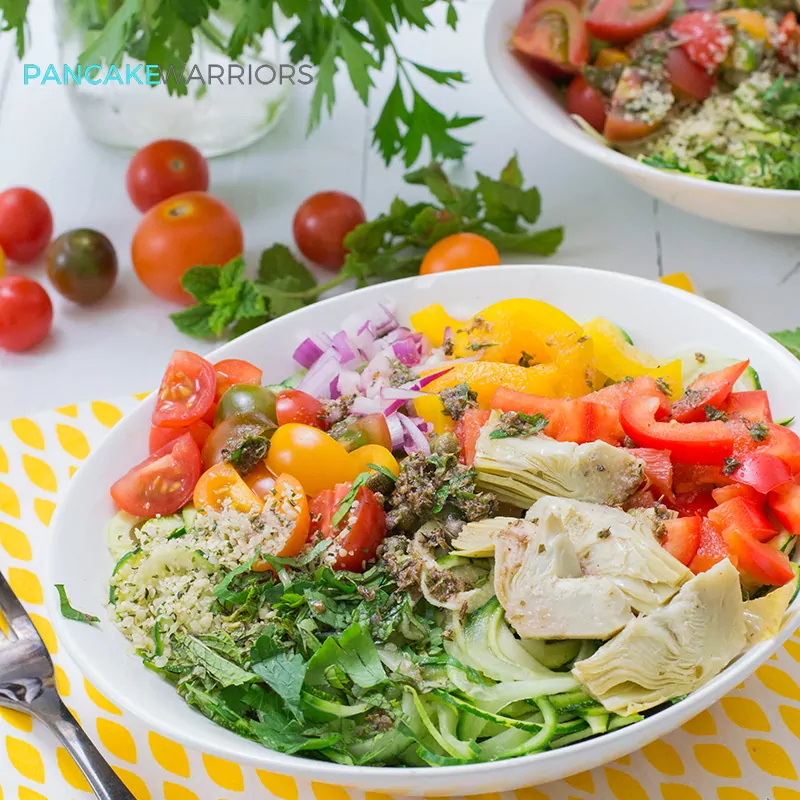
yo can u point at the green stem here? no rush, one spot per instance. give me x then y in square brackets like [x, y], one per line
[320, 288]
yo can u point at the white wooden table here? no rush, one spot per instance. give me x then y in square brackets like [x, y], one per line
[121, 345]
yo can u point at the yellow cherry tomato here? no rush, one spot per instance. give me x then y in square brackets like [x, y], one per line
[289, 504]
[317, 460]
[748, 20]
[609, 56]
[220, 483]
[459, 251]
[431, 409]
[375, 454]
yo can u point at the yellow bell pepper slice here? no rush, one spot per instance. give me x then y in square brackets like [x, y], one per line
[432, 321]
[680, 280]
[431, 409]
[617, 358]
[609, 56]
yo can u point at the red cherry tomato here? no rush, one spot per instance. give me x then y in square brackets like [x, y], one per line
[161, 484]
[705, 38]
[553, 31]
[657, 470]
[26, 313]
[357, 534]
[693, 503]
[233, 371]
[200, 431]
[468, 429]
[711, 389]
[322, 222]
[724, 493]
[26, 224]
[624, 124]
[788, 40]
[619, 21]
[293, 405]
[687, 78]
[186, 392]
[683, 538]
[163, 169]
[585, 101]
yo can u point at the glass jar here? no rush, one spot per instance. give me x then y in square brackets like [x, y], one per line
[228, 105]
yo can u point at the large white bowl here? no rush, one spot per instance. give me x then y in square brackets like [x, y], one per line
[659, 318]
[776, 211]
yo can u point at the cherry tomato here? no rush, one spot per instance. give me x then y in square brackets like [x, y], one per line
[377, 455]
[459, 251]
[310, 455]
[626, 120]
[246, 398]
[26, 224]
[705, 38]
[711, 389]
[619, 21]
[289, 505]
[200, 431]
[758, 561]
[468, 429]
[26, 313]
[230, 434]
[687, 78]
[163, 483]
[234, 370]
[179, 233]
[752, 406]
[369, 429]
[585, 101]
[358, 533]
[683, 538]
[293, 405]
[724, 493]
[222, 483]
[186, 391]
[163, 169]
[321, 224]
[553, 31]
[82, 265]
[788, 41]
[261, 480]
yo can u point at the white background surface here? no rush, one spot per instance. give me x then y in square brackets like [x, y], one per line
[122, 344]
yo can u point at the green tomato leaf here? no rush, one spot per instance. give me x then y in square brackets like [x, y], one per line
[790, 340]
[386, 134]
[541, 243]
[442, 77]
[324, 91]
[511, 173]
[194, 321]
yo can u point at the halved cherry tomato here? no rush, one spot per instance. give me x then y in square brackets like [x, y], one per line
[788, 40]
[724, 493]
[609, 56]
[369, 429]
[231, 433]
[693, 503]
[585, 101]
[619, 21]
[358, 534]
[289, 505]
[200, 431]
[752, 406]
[705, 38]
[711, 389]
[231, 371]
[710, 550]
[657, 469]
[220, 483]
[468, 429]
[763, 471]
[163, 483]
[745, 515]
[375, 454]
[629, 117]
[784, 502]
[553, 31]
[693, 477]
[186, 392]
[261, 480]
[689, 80]
[292, 405]
[690, 443]
[310, 455]
[756, 560]
[682, 538]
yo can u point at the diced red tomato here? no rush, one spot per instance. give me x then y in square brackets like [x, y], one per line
[553, 31]
[694, 477]
[752, 406]
[689, 80]
[711, 389]
[784, 444]
[585, 101]
[613, 395]
[788, 40]
[710, 550]
[292, 405]
[644, 498]
[187, 391]
[705, 38]
[756, 560]
[784, 502]
[200, 431]
[623, 124]
[682, 538]
[690, 504]
[763, 471]
[724, 493]
[745, 515]
[468, 429]
[657, 470]
[620, 21]
[232, 371]
[163, 483]
[689, 443]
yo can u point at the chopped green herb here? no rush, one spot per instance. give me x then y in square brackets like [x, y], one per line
[526, 360]
[68, 612]
[517, 423]
[715, 414]
[385, 471]
[731, 465]
[758, 431]
[663, 386]
[346, 503]
[604, 534]
[480, 345]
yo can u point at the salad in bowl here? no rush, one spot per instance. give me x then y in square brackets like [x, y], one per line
[455, 541]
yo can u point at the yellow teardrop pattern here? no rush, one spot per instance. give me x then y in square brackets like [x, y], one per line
[718, 760]
[378, 796]
[664, 757]
[99, 700]
[283, 786]
[3, 625]
[25, 585]
[25, 759]
[772, 758]
[28, 794]
[745, 713]
[46, 632]
[529, 793]
[44, 510]
[3, 461]
[733, 793]
[69, 769]
[678, 791]
[68, 411]
[793, 649]
[72, 470]
[624, 786]
[174, 792]
[106, 414]
[28, 432]
[327, 791]
[117, 740]
[9, 502]
[624, 760]
[15, 542]
[62, 681]
[73, 441]
[778, 681]
[134, 783]
[582, 781]
[486, 796]
[170, 755]
[225, 774]
[784, 793]
[17, 719]
[701, 725]
[40, 473]
[141, 395]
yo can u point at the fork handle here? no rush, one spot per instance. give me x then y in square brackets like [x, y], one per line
[105, 783]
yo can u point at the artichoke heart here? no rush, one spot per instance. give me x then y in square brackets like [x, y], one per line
[476, 539]
[539, 582]
[763, 615]
[672, 651]
[521, 469]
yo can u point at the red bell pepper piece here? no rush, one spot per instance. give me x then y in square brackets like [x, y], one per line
[682, 538]
[763, 471]
[711, 389]
[468, 429]
[744, 515]
[760, 562]
[724, 493]
[752, 406]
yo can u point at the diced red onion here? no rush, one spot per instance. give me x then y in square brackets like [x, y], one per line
[417, 441]
[341, 344]
[396, 431]
[307, 352]
[334, 389]
[348, 382]
[367, 405]
[421, 383]
[407, 352]
[317, 381]
[400, 393]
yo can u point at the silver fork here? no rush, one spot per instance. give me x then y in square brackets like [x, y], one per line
[27, 684]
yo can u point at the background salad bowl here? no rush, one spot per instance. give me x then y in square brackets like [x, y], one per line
[772, 210]
[79, 557]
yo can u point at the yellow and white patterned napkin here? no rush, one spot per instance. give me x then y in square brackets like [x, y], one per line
[747, 747]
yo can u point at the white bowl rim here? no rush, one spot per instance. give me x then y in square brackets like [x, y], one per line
[664, 722]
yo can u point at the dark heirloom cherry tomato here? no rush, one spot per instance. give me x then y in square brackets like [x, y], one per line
[687, 78]
[244, 397]
[163, 483]
[321, 223]
[26, 224]
[82, 265]
[369, 429]
[553, 31]
[186, 392]
[293, 405]
[585, 101]
[26, 313]
[619, 21]
[234, 370]
[232, 430]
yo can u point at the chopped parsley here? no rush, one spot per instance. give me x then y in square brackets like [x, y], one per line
[246, 453]
[526, 360]
[713, 414]
[346, 503]
[604, 534]
[480, 345]
[517, 423]
[758, 431]
[663, 386]
[457, 399]
[730, 466]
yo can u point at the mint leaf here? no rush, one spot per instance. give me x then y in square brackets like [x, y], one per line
[194, 321]
[279, 267]
[246, 325]
[251, 303]
[284, 674]
[68, 612]
[790, 340]
[201, 282]
[355, 653]
[543, 243]
[232, 273]
[223, 671]
[511, 173]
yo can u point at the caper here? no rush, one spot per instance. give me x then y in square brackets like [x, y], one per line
[446, 444]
